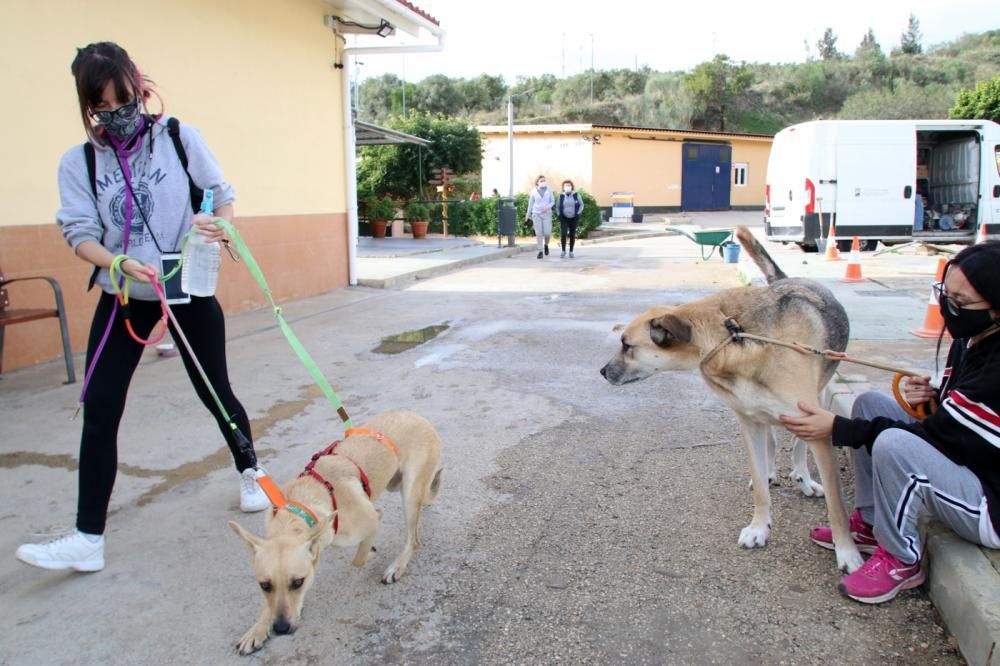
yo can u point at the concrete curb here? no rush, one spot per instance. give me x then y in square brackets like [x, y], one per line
[394, 281]
[965, 588]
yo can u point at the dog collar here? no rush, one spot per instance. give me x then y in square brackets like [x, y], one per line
[278, 501]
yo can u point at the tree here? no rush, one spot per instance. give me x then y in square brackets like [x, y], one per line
[439, 94]
[404, 169]
[719, 88]
[982, 103]
[869, 47]
[376, 97]
[827, 46]
[909, 42]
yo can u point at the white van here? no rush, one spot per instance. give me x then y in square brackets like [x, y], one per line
[883, 180]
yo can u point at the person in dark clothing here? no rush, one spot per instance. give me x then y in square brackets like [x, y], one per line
[569, 207]
[947, 465]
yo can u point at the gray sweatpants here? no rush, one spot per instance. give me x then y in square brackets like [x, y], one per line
[543, 228]
[905, 477]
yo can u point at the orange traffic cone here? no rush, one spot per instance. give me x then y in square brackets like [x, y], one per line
[853, 273]
[933, 321]
[981, 233]
[831, 243]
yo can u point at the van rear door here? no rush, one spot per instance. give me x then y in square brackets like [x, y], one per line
[876, 176]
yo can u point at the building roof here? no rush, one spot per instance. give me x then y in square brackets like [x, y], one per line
[402, 14]
[635, 132]
[368, 134]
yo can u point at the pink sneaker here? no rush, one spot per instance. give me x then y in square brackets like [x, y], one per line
[881, 578]
[861, 532]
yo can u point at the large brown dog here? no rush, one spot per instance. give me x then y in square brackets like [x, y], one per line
[398, 450]
[757, 380]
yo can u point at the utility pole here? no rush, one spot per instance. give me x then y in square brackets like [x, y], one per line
[564, 55]
[592, 69]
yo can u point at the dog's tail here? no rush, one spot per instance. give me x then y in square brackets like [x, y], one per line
[759, 255]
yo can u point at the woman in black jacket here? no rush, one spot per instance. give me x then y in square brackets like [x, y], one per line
[947, 465]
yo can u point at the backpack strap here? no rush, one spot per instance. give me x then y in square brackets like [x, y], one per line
[91, 157]
[174, 130]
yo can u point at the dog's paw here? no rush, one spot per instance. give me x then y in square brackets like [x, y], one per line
[808, 487]
[754, 536]
[254, 639]
[849, 559]
[392, 574]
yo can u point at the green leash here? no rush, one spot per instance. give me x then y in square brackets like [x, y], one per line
[300, 351]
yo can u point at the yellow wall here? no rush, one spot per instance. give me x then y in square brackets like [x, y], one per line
[651, 170]
[755, 156]
[256, 77]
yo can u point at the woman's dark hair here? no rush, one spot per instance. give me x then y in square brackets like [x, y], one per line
[572, 186]
[93, 67]
[979, 265]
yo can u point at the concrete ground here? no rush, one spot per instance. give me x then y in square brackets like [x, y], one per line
[577, 522]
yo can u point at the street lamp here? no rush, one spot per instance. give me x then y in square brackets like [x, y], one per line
[510, 137]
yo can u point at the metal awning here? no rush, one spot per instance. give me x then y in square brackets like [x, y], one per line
[367, 134]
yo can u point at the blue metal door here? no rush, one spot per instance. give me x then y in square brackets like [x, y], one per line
[705, 176]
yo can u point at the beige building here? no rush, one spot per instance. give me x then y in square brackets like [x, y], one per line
[664, 170]
[263, 80]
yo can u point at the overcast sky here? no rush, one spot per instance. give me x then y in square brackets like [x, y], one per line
[521, 37]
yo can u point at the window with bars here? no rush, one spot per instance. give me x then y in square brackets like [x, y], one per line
[740, 174]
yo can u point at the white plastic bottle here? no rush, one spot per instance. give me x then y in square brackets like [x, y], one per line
[201, 260]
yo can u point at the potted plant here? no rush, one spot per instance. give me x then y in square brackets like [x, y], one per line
[380, 210]
[418, 215]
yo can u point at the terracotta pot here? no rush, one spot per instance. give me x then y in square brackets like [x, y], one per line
[419, 229]
[378, 228]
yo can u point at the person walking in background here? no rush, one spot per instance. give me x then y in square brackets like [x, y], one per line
[134, 155]
[540, 204]
[568, 208]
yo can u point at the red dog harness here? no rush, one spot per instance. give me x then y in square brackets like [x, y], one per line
[310, 469]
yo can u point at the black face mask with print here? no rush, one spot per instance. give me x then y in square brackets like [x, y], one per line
[967, 323]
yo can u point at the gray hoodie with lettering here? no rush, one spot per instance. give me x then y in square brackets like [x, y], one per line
[160, 186]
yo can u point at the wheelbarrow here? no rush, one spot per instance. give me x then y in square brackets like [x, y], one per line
[706, 238]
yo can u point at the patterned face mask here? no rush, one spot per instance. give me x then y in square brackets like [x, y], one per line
[123, 122]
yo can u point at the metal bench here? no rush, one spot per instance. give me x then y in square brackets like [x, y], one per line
[10, 316]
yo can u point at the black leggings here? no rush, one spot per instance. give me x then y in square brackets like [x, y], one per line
[565, 222]
[104, 403]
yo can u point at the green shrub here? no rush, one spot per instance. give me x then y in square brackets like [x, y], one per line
[479, 218]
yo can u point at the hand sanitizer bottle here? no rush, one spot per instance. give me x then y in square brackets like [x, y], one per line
[201, 259]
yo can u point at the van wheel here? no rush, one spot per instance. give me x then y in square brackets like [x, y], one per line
[806, 247]
[865, 245]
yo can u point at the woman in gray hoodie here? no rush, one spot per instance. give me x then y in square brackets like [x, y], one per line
[540, 204]
[139, 189]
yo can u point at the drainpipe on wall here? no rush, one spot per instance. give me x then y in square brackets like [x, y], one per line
[350, 149]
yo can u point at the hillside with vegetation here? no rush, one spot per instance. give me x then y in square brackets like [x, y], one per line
[908, 81]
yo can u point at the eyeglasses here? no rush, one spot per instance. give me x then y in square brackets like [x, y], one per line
[123, 113]
[943, 298]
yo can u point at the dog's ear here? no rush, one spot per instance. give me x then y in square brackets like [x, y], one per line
[252, 540]
[669, 329]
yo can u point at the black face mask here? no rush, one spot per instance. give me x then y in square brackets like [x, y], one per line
[967, 323]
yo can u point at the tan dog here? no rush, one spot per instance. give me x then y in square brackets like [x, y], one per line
[406, 458]
[757, 380]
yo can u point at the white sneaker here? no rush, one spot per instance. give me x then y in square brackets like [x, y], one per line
[252, 498]
[73, 551]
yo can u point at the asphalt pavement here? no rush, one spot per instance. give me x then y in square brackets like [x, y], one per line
[577, 522]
